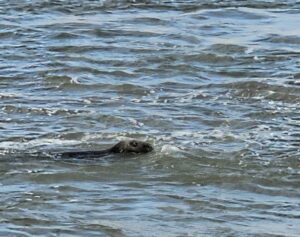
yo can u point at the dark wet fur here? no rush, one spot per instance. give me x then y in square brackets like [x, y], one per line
[131, 146]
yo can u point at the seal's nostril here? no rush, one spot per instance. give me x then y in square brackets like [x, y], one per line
[148, 147]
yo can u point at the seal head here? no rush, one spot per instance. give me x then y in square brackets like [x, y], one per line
[131, 146]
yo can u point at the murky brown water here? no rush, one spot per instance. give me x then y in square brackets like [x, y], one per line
[213, 85]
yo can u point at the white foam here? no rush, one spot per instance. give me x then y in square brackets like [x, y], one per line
[87, 101]
[9, 95]
[135, 122]
[170, 149]
[74, 80]
[249, 50]
[35, 143]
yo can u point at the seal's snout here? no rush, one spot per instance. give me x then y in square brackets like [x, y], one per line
[147, 147]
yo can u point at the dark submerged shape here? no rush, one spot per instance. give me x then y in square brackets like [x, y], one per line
[126, 146]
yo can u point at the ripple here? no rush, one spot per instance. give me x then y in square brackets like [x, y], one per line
[236, 13]
[278, 39]
[65, 35]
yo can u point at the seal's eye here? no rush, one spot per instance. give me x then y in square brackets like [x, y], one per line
[134, 143]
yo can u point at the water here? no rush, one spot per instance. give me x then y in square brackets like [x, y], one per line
[213, 85]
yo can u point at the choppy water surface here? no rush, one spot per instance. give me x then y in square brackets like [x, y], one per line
[214, 85]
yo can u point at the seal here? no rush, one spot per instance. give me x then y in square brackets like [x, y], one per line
[125, 146]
